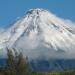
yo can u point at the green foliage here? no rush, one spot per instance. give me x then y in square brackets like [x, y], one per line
[16, 64]
[22, 66]
[11, 63]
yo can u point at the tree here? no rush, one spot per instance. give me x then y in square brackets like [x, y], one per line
[11, 63]
[22, 66]
[17, 64]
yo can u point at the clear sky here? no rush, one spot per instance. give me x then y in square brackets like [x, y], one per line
[11, 9]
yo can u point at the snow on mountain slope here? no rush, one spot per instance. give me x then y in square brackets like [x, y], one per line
[41, 33]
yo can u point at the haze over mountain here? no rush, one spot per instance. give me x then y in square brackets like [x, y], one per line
[40, 33]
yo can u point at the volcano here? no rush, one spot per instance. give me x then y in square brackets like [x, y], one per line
[40, 35]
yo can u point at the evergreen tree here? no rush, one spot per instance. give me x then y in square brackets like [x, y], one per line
[17, 64]
[11, 70]
[22, 66]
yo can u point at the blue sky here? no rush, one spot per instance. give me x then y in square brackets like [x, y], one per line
[11, 9]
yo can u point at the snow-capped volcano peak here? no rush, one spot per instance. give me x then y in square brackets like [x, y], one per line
[37, 12]
[29, 23]
[40, 29]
